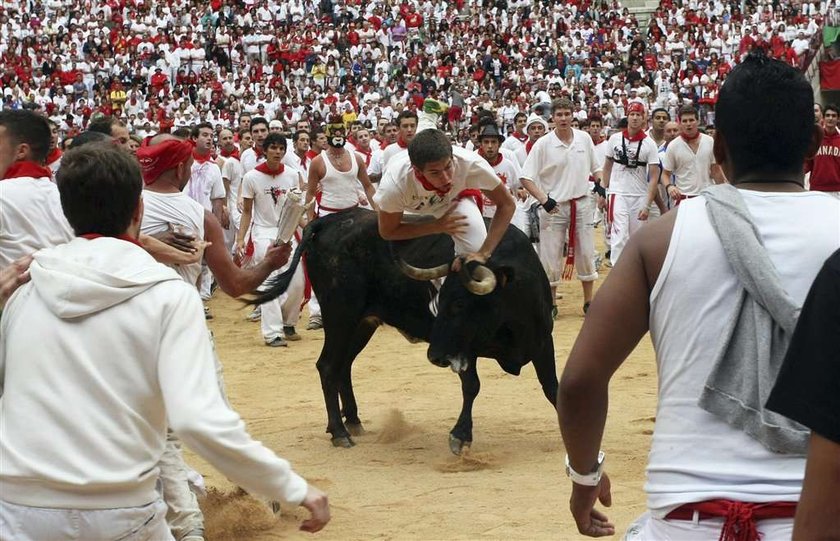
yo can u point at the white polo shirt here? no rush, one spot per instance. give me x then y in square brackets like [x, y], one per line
[631, 180]
[400, 191]
[508, 171]
[562, 170]
[691, 170]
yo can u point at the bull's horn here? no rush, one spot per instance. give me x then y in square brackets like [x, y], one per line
[424, 274]
[481, 282]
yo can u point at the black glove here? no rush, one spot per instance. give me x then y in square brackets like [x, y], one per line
[549, 204]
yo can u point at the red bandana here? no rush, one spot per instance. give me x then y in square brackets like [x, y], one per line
[522, 137]
[401, 143]
[687, 139]
[232, 154]
[638, 137]
[157, 159]
[91, 236]
[53, 156]
[528, 146]
[310, 155]
[367, 155]
[27, 169]
[202, 158]
[428, 186]
[263, 168]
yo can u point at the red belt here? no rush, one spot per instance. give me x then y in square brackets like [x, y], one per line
[681, 197]
[741, 517]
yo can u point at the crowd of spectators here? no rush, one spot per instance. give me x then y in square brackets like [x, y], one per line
[164, 64]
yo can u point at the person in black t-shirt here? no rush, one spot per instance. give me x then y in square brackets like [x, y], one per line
[808, 391]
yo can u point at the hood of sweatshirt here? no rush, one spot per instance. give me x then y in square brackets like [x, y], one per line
[85, 276]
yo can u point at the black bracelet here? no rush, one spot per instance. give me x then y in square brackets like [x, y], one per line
[549, 204]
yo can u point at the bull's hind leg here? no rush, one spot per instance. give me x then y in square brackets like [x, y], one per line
[349, 408]
[331, 367]
[461, 434]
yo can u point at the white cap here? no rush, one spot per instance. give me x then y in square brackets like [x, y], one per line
[532, 118]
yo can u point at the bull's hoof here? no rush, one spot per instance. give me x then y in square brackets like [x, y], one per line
[355, 429]
[457, 446]
[343, 441]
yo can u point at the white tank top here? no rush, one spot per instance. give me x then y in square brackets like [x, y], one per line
[339, 190]
[695, 456]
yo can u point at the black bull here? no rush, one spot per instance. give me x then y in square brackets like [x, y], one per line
[361, 281]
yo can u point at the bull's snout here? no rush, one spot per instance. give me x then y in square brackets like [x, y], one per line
[457, 363]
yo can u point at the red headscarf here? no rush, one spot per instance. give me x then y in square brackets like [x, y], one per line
[157, 159]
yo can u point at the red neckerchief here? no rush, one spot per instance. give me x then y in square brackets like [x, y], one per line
[499, 158]
[202, 158]
[258, 151]
[528, 146]
[401, 143]
[638, 137]
[522, 137]
[53, 156]
[232, 154]
[310, 155]
[263, 168]
[366, 155]
[303, 159]
[428, 186]
[27, 168]
[689, 139]
[91, 236]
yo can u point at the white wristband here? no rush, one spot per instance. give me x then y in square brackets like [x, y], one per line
[590, 479]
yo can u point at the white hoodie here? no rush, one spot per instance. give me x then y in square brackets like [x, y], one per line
[95, 353]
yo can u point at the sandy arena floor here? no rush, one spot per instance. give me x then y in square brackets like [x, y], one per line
[400, 481]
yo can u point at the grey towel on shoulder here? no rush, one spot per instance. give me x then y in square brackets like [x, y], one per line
[757, 334]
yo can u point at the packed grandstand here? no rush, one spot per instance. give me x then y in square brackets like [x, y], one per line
[176, 63]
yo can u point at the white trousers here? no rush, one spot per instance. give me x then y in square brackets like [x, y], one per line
[624, 216]
[285, 309]
[473, 236]
[24, 523]
[554, 229]
[650, 528]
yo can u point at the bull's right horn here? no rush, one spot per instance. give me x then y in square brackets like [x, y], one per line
[423, 274]
[480, 282]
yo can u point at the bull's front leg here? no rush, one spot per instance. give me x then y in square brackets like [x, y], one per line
[330, 375]
[461, 434]
[546, 369]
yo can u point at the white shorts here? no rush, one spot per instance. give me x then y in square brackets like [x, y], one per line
[649, 528]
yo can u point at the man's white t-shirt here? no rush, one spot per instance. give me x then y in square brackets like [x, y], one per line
[562, 170]
[691, 171]
[178, 209]
[509, 173]
[400, 191]
[205, 183]
[626, 180]
[268, 193]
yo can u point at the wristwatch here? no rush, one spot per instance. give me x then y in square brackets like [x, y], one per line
[590, 479]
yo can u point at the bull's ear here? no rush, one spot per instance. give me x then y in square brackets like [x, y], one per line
[504, 275]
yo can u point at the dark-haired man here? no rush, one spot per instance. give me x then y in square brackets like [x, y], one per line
[407, 124]
[102, 322]
[264, 192]
[689, 158]
[658, 118]
[253, 156]
[518, 137]
[440, 180]
[720, 464]
[111, 125]
[30, 210]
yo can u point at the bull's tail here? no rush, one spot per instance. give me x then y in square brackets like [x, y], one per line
[278, 285]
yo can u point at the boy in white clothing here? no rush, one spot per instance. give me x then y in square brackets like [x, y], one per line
[115, 341]
[264, 191]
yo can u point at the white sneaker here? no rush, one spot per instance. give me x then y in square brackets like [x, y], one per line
[255, 315]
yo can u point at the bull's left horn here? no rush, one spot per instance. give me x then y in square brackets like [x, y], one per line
[480, 282]
[424, 274]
